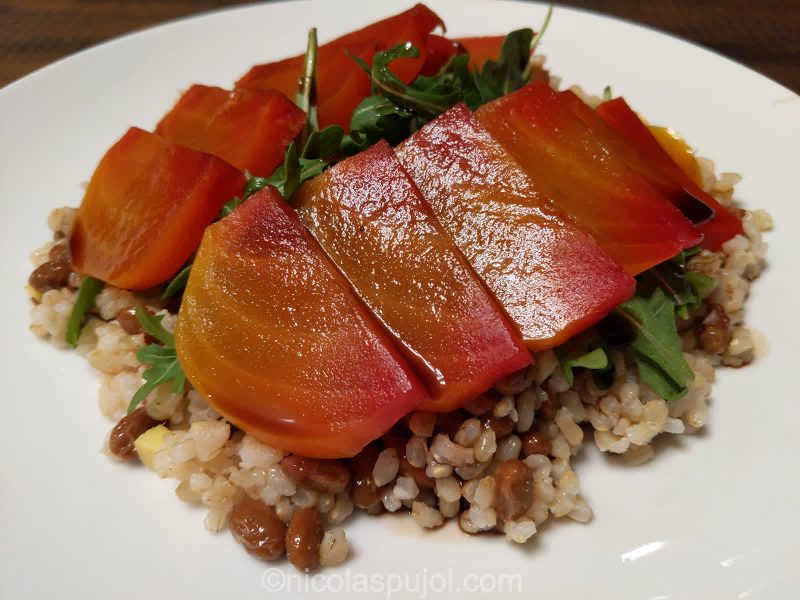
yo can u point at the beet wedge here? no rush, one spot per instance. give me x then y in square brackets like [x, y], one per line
[439, 50]
[275, 339]
[342, 84]
[619, 116]
[692, 207]
[371, 220]
[550, 275]
[481, 48]
[248, 129]
[637, 226]
[145, 210]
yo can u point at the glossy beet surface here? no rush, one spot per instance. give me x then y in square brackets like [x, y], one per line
[275, 339]
[622, 119]
[692, 207]
[438, 50]
[248, 129]
[371, 220]
[549, 274]
[342, 83]
[637, 226]
[145, 210]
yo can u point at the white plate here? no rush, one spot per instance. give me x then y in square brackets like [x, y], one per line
[713, 516]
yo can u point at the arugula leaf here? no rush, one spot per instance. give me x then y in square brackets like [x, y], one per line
[164, 368]
[406, 107]
[656, 345]
[87, 294]
[288, 177]
[670, 276]
[585, 351]
[512, 70]
[595, 360]
[376, 118]
[322, 144]
[475, 89]
[230, 206]
[177, 283]
[162, 359]
[426, 96]
[686, 288]
[703, 284]
[151, 324]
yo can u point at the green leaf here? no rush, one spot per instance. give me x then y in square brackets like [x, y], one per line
[164, 368]
[255, 184]
[670, 276]
[607, 93]
[178, 283]
[498, 77]
[396, 109]
[428, 97]
[596, 359]
[152, 324]
[231, 205]
[360, 62]
[583, 351]
[322, 144]
[288, 180]
[376, 118]
[511, 71]
[162, 359]
[656, 345]
[285, 177]
[686, 288]
[652, 374]
[290, 175]
[702, 284]
[87, 294]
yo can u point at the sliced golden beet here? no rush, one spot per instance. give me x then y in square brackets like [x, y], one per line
[275, 339]
[371, 220]
[586, 179]
[146, 208]
[550, 275]
[627, 123]
[248, 129]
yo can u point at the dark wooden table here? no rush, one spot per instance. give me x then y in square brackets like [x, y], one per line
[764, 34]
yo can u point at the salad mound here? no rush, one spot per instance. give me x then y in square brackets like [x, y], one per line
[416, 281]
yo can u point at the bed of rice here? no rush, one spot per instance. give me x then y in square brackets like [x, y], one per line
[216, 465]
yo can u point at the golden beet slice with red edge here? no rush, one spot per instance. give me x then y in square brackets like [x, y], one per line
[274, 338]
[342, 84]
[716, 231]
[145, 210]
[371, 220]
[550, 275]
[248, 129]
[693, 208]
[586, 179]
